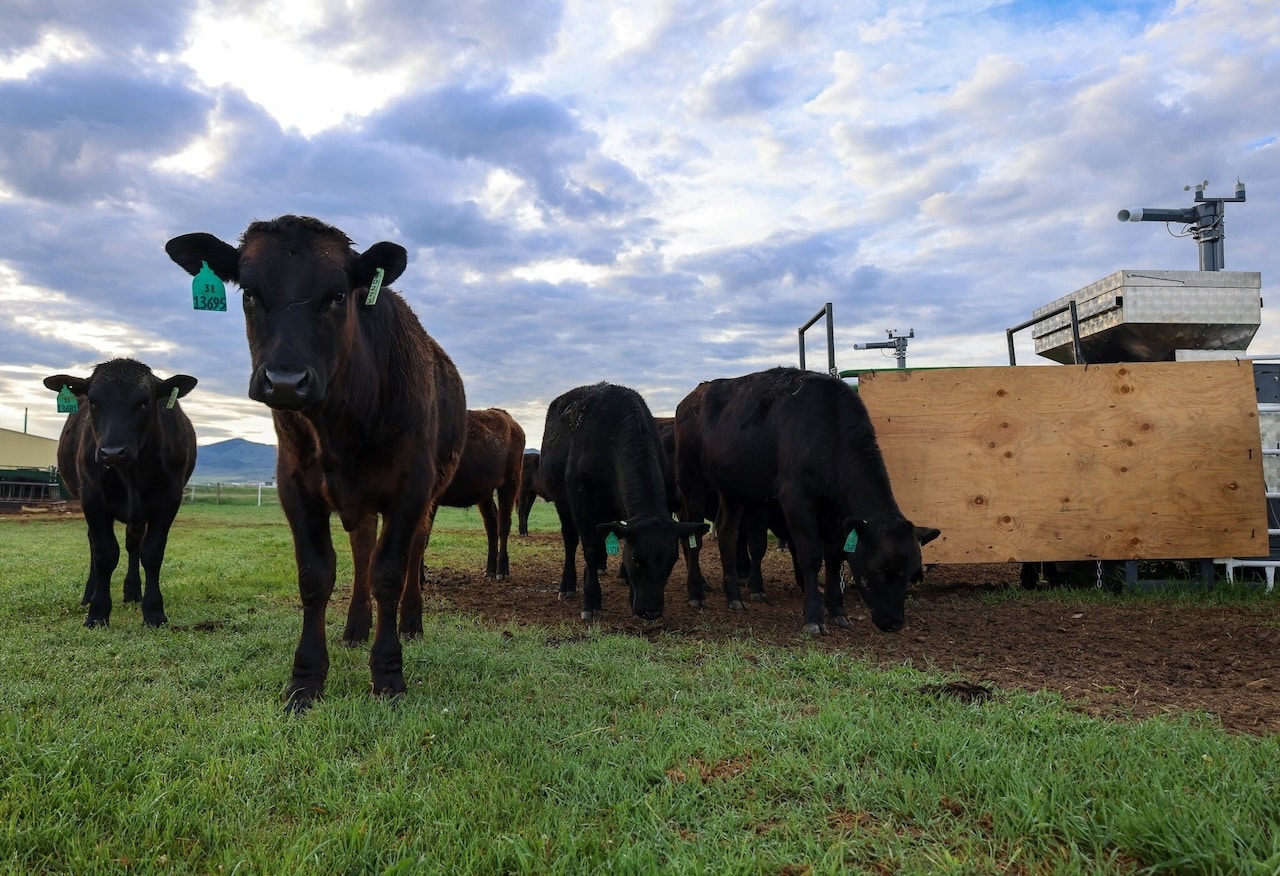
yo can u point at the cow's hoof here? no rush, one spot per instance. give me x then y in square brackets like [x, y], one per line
[93, 622]
[758, 596]
[592, 615]
[390, 687]
[843, 622]
[566, 595]
[155, 620]
[354, 641]
[737, 605]
[299, 702]
[816, 629]
[697, 603]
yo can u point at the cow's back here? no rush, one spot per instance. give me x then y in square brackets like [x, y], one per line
[796, 427]
[605, 434]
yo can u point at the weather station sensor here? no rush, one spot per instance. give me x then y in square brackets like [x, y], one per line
[1204, 221]
[1158, 315]
[897, 342]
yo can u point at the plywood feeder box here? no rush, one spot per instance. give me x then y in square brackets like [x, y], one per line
[1122, 461]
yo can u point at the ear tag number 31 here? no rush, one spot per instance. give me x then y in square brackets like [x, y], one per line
[207, 290]
[611, 544]
[67, 403]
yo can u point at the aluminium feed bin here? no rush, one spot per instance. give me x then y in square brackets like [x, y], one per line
[1145, 316]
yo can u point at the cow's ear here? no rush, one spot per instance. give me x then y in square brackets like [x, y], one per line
[687, 529]
[78, 385]
[924, 536]
[184, 383]
[391, 257]
[192, 251]
[617, 527]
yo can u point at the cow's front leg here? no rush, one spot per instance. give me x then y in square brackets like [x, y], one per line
[317, 569]
[593, 554]
[133, 536]
[568, 575]
[104, 554]
[832, 559]
[362, 538]
[728, 526]
[154, 540]
[401, 545]
[411, 592]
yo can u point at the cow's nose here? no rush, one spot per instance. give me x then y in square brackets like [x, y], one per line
[114, 455]
[288, 390]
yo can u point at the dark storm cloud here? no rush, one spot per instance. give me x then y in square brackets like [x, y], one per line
[79, 133]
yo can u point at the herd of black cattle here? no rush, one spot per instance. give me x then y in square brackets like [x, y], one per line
[371, 423]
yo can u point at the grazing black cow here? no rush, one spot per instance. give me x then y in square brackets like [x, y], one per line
[530, 488]
[602, 467]
[126, 453]
[805, 440]
[492, 461]
[370, 417]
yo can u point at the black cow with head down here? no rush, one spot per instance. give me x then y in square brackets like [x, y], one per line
[370, 418]
[804, 440]
[530, 489]
[602, 467]
[126, 453]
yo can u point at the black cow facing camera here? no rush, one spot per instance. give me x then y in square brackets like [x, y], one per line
[126, 453]
[602, 466]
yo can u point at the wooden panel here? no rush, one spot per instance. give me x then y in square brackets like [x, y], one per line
[1147, 460]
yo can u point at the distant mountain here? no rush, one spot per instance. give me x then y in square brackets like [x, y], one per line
[235, 461]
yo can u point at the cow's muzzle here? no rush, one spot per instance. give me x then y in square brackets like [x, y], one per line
[285, 390]
[115, 455]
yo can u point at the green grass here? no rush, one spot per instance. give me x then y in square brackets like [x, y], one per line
[559, 750]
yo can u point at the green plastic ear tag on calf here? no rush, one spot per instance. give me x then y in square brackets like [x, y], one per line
[207, 290]
[851, 543]
[173, 399]
[67, 403]
[693, 542]
[611, 544]
[374, 288]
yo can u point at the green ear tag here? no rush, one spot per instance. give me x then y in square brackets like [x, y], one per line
[374, 288]
[693, 542]
[207, 290]
[851, 543]
[611, 544]
[173, 399]
[67, 403]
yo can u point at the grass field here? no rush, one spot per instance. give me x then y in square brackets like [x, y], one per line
[521, 750]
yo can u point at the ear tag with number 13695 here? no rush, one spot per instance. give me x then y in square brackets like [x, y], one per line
[207, 290]
[67, 403]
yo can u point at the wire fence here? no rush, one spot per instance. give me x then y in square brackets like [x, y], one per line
[232, 494]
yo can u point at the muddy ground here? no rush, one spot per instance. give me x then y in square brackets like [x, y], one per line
[1131, 659]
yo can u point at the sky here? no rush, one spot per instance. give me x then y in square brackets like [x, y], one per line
[648, 193]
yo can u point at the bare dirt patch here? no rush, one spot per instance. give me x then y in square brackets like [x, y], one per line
[1135, 659]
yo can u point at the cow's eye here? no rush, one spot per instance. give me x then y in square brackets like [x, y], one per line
[339, 298]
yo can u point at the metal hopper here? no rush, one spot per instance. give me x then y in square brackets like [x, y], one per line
[1145, 316]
